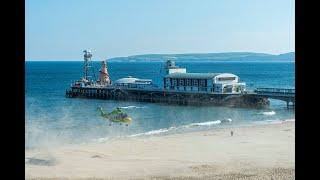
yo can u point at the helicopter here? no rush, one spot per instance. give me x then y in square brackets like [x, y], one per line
[117, 116]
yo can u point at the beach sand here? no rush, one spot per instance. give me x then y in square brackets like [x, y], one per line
[255, 152]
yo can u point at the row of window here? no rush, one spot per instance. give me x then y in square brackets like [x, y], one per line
[135, 85]
[193, 89]
[188, 82]
[88, 90]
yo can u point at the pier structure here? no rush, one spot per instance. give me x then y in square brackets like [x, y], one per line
[257, 99]
[169, 96]
[87, 64]
[104, 78]
[284, 94]
[179, 87]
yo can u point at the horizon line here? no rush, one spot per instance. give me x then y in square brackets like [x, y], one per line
[62, 59]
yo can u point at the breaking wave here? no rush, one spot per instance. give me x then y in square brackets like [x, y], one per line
[194, 125]
[208, 123]
[153, 132]
[131, 107]
[227, 120]
[270, 113]
[100, 140]
[274, 121]
[167, 130]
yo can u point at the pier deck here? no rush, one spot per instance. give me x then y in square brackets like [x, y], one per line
[287, 95]
[171, 97]
[257, 98]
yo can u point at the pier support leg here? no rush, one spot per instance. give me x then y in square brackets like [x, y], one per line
[290, 104]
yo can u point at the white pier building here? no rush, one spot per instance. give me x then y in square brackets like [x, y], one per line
[178, 79]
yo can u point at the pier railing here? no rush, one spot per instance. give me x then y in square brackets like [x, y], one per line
[275, 91]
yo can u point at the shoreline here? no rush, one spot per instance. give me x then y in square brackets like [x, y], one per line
[253, 152]
[169, 131]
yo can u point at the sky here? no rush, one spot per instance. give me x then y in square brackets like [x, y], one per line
[62, 29]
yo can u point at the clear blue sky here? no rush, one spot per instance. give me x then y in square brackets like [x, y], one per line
[61, 29]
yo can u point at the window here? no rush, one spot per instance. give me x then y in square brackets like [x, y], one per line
[237, 89]
[181, 82]
[203, 83]
[188, 82]
[227, 89]
[226, 78]
[174, 82]
[195, 82]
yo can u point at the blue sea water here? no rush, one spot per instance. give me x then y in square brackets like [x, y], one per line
[52, 119]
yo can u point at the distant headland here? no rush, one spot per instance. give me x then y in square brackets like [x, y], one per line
[226, 56]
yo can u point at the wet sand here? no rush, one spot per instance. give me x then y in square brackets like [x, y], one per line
[256, 152]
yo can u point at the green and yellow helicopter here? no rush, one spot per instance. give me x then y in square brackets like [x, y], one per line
[117, 116]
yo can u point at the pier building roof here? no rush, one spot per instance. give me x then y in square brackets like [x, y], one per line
[132, 80]
[198, 75]
[126, 80]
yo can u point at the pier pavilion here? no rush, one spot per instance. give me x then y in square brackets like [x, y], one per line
[204, 82]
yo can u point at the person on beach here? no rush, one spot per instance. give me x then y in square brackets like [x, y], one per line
[231, 133]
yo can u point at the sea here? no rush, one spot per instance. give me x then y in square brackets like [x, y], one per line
[51, 119]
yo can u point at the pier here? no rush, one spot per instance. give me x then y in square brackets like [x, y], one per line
[179, 87]
[257, 99]
[169, 97]
[287, 95]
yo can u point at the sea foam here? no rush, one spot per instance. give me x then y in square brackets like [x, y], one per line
[153, 132]
[274, 121]
[100, 140]
[269, 113]
[208, 123]
[131, 107]
[290, 120]
[170, 129]
[167, 130]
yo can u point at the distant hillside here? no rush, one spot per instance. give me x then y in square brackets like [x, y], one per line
[228, 56]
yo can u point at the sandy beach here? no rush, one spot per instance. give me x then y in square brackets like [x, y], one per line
[255, 152]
